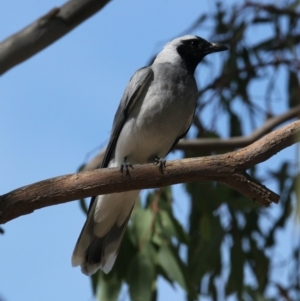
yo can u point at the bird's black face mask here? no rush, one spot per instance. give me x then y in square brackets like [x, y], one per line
[194, 50]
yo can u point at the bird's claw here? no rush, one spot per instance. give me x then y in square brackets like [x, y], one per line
[125, 166]
[161, 162]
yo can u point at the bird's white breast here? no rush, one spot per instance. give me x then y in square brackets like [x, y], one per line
[162, 113]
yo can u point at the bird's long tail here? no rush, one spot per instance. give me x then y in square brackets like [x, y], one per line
[99, 241]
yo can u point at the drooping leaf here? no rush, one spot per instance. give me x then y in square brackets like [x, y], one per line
[109, 288]
[166, 258]
[281, 220]
[149, 251]
[259, 263]
[205, 255]
[166, 224]
[235, 125]
[236, 276]
[140, 278]
[95, 282]
[141, 226]
[205, 228]
[128, 250]
[297, 191]
[293, 89]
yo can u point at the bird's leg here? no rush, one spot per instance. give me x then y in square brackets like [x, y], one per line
[161, 162]
[125, 165]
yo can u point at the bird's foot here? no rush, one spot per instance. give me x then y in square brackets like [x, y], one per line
[161, 162]
[125, 166]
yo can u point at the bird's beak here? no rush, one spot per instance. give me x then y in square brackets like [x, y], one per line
[215, 47]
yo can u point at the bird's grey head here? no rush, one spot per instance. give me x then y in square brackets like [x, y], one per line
[188, 49]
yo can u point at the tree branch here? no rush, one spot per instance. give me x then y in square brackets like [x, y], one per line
[227, 168]
[46, 30]
[214, 144]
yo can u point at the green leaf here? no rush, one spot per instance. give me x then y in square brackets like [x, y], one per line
[95, 282]
[293, 89]
[141, 229]
[167, 227]
[259, 263]
[127, 251]
[166, 224]
[181, 235]
[235, 125]
[140, 278]
[297, 191]
[236, 276]
[205, 256]
[170, 264]
[285, 213]
[166, 220]
[212, 287]
[205, 228]
[160, 271]
[157, 238]
[149, 251]
[109, 288]
[150, 198]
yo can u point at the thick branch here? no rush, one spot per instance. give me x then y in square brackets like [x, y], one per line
[227, 168]
[46, 30]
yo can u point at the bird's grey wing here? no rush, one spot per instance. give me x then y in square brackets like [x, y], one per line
[134, 89]
[140, 79]
[180, 136]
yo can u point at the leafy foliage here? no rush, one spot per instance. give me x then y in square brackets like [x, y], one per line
[228, 245]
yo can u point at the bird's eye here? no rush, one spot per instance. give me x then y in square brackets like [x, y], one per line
[193, 43]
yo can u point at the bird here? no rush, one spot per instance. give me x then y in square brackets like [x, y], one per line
[156, 110]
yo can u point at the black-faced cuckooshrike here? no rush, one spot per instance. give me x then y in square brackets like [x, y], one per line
[156, 110]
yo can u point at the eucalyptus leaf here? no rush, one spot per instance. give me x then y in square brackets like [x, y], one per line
[169, 263]
[293, 89]
[140, 278]
[109, 288]
[141, 226]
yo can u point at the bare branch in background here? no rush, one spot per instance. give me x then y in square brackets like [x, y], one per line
[46, 30]
[229, 168]
[214, 144]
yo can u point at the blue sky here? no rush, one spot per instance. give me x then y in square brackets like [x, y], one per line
[56, 108]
